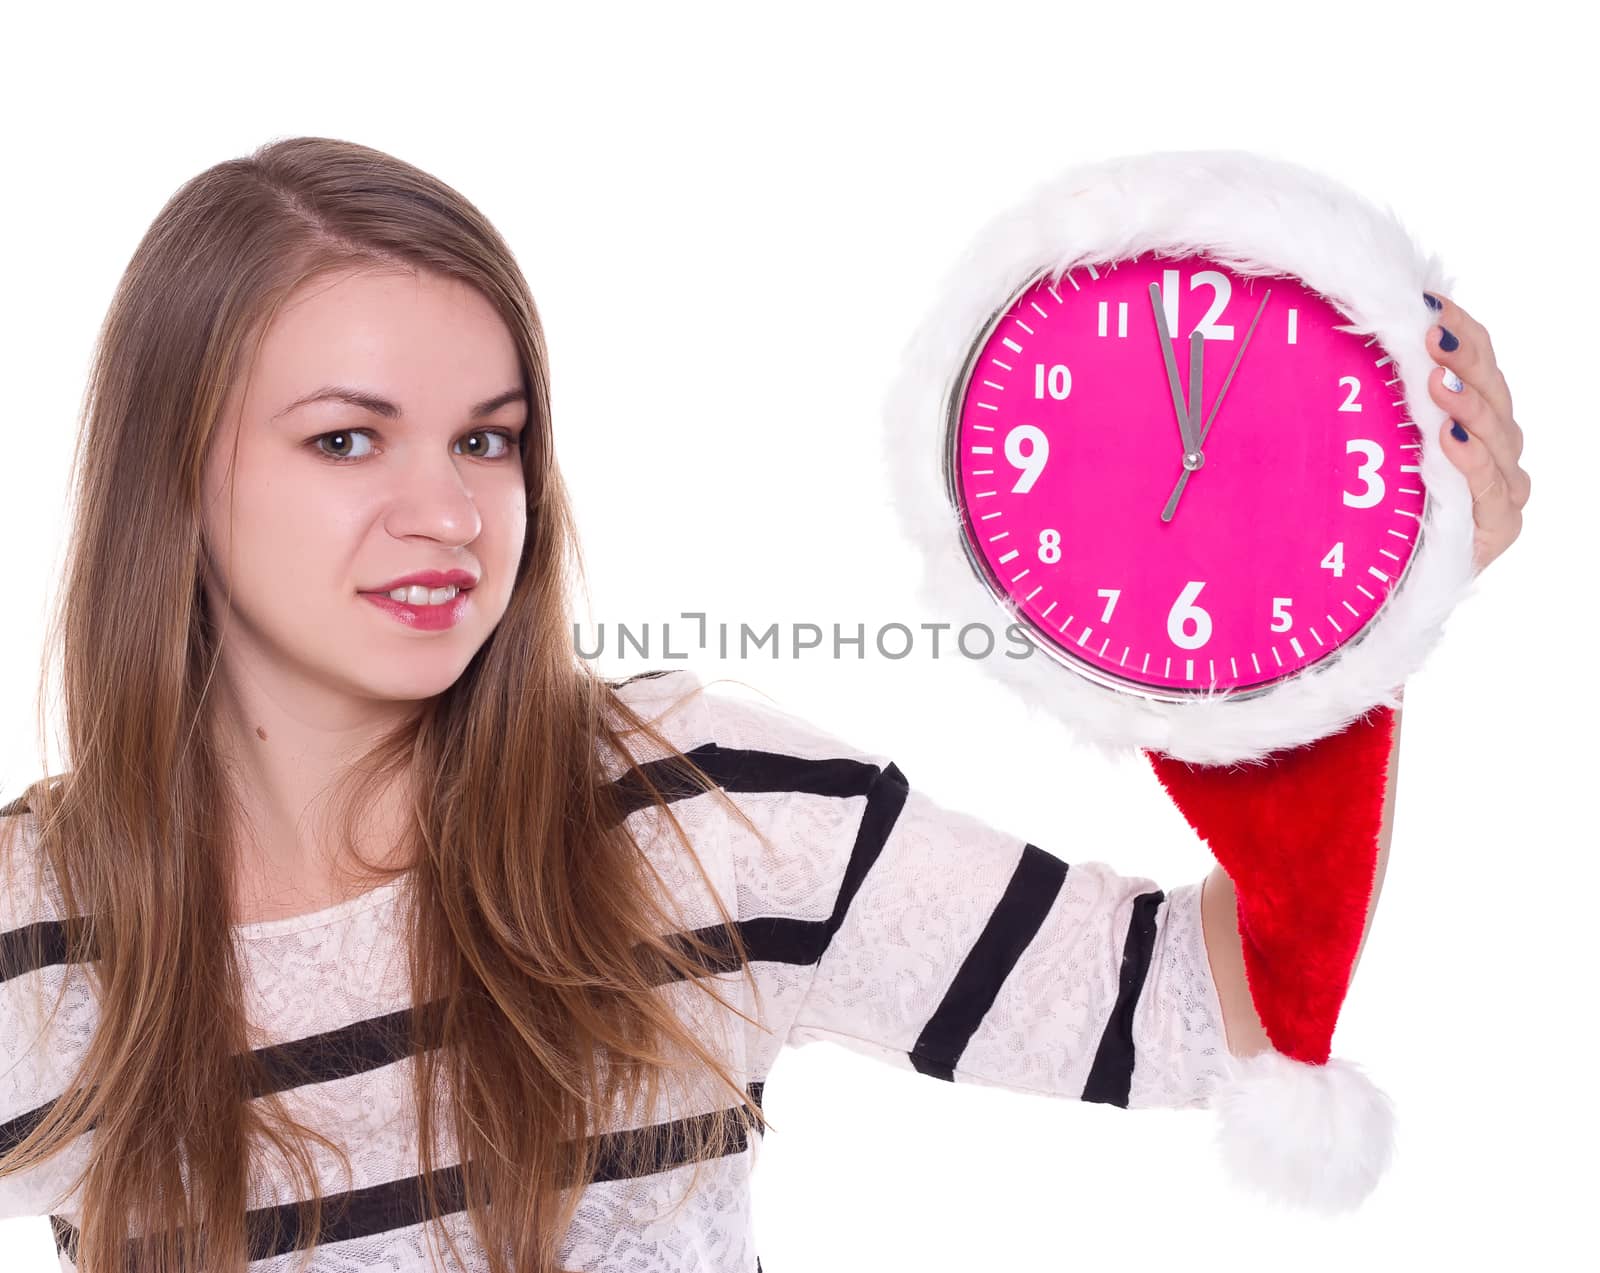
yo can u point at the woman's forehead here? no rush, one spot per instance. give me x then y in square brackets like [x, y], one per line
[428, 345]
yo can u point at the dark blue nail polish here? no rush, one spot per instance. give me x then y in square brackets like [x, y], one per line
[1447, 339]
[1433, 301]
[1457, 432]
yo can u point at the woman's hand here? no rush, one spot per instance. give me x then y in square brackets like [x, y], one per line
[1481, 403]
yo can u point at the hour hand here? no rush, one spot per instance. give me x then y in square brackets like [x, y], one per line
[1178, 405]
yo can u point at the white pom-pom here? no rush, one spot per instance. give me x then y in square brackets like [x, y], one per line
[1312, 1136]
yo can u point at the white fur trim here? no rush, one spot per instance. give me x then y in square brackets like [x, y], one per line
[1254, 215]
[1311, 1136]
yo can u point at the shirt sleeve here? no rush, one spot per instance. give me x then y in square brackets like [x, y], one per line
[886, 923]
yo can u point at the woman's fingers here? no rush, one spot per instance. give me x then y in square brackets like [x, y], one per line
[1486, 431]
[1471, 356]
[1481, 438]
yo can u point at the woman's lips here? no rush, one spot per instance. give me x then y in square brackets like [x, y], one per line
[424, 618]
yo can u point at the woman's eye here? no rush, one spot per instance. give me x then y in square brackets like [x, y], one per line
[345, 437]
[503, 435]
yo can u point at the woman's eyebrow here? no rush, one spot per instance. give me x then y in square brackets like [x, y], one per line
[389, 410]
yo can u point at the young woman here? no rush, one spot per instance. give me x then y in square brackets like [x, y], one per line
[366, 905]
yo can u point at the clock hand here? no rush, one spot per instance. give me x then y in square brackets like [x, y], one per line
[1197, 382]
[1183, 478]
[1189, 445]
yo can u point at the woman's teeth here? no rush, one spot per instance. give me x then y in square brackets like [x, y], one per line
[417, 595]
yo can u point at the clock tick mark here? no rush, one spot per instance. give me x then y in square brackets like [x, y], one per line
[1313, 632]
[1352, 609]
[1298, 652]
[1024, 326]
[992, 385]
[1364, 593]
[1277, 658]
[1333, 621]
[1373, 570]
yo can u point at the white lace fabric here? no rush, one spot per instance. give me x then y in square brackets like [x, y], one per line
[919, 972]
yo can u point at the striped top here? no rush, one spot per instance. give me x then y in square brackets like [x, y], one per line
[879, 921]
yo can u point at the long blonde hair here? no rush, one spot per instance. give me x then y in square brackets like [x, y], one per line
[537, 942]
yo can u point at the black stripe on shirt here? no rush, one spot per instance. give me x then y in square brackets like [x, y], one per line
[1111, 1076]
[782, 938]
[1013, 924]
[397, 1204]
[56, 940]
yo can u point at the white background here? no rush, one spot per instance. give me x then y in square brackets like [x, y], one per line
[731, 218]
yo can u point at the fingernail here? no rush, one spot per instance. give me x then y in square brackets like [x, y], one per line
[1451, 381]
[1457, 432]
[1447, 339]
[1433, 301]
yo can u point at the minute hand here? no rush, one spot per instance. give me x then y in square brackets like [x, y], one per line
[1190, 443]
[1183, 478]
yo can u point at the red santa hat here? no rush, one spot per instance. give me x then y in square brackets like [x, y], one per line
[1298, 837]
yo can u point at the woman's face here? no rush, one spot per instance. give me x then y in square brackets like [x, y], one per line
[425, 484]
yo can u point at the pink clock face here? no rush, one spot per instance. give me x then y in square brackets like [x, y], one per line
[1300, 511]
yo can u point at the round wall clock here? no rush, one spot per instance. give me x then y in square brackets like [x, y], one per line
[1313, 504]
[1169, 417]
